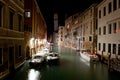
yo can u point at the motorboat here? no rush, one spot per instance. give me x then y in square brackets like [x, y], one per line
[52, 56]
[89, 57]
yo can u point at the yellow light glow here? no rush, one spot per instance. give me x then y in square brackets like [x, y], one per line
[32, 42]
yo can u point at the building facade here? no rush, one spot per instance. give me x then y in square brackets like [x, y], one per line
[12, 46]
[55, 37]
[87, 24]
[56, 22]
[74, 30]
[67, 32]
[35, 28]
[55, 31]
[60, 36]
[80, 33]
[109, 28]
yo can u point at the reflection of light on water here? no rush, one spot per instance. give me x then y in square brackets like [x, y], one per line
[33, 74]
[85, 61]
[59, 49]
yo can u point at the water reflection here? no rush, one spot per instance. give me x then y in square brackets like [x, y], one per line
[34, 74]
[85, 62]
[70, 67]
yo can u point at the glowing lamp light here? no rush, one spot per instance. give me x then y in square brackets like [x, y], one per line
[31, 42]
[32, 39]
[39, 42]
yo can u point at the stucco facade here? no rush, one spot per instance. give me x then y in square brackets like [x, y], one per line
[81, 30]
[67, 32]
[109, 28]
[60, 36]
[12, 50]
[88, 29]
[35, 28]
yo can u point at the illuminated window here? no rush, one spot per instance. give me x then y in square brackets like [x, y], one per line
[0, 55]
[28, 14]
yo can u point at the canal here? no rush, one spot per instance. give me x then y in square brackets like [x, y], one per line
[69, 67]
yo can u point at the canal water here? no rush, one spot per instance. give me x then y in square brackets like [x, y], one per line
[69, 67]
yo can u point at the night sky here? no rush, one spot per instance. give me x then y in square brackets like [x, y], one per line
[62, 7]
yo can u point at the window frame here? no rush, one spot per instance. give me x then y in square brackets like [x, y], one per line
[19, 22]
[104, 30]
[11, 19]
[104, 11]
[114, 48]
[109, 28]
[99, 30]
[1, 13]
[99, 46]
[114, 5]
[118, 49]
[104, 47]
[19, 50]
[109, 48]
[109, 7]
[99, 14]
[118, 29]
[114, 27]
[118, 3]
[90, 38]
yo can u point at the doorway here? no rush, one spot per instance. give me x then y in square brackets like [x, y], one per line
[11, 59]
